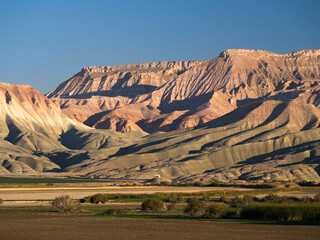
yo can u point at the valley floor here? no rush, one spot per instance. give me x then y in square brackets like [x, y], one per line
[25, 213]
[31, 226]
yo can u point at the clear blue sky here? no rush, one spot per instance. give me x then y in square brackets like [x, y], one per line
[42, 43]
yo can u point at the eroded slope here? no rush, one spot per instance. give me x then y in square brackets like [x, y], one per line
[165, 96]
[224, 149]
[35, 136]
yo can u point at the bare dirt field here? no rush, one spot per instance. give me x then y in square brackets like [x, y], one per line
[31, 226]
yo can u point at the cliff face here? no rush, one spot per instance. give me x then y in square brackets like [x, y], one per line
[113, 80]
[98, 89]
[164, 96]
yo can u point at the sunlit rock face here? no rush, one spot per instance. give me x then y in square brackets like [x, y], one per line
[165, 96]
[245, 115]
[36, 136]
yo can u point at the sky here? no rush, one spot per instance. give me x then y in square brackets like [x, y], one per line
[45, 42]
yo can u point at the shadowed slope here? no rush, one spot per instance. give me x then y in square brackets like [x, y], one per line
[235, 146]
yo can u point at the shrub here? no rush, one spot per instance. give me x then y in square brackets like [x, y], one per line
[309, 184]
[156, 181]
[172, 199]
[165, 183]
[99, 198]
[316, 198]
[199, 184]
[65, 203]
[1, 201]
[206, 197]
[237, 202]
[85, 200]
[282, 211]
[224, 199]
[215, 183]
[116, 212]
[233, 213]
[153, 205]
[247, 199]
[171, 206]
[272, 198]
[216, 210]
[305, 200]
[295, 199]
[195, 207]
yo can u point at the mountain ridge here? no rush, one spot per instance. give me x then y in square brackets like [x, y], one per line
[245, 115]
[193, 93]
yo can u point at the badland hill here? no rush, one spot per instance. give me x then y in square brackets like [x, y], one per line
[166, 96]
[247, 114]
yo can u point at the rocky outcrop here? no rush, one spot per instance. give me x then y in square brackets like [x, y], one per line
[98, 89]
[165, 96]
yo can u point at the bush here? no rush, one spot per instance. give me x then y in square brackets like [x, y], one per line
[165, 183]
[316, 198]
[172, 199]
[248, 199]
[306, 200]
[206, 197]
[116, 212]
[237, 202]
[233, 213]
[171, 207]
[216, 210]
[195, 207]
[85, 200]
[153, 205]
[1, 201]
[99, 198]
[65, 203]
[282, 211]
[224, 199]
[271, 198]
[309, 184]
